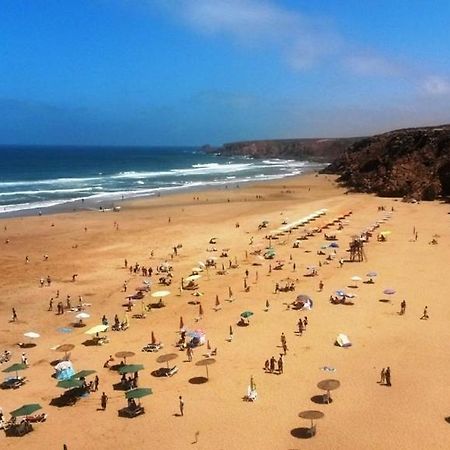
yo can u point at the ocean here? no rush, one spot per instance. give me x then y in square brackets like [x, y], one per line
[42, 179]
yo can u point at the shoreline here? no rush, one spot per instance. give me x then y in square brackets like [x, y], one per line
[85, 204]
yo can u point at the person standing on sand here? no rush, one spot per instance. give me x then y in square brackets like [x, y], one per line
[50, 304]
[320, 286]
[388, 376]
[382, 376]
[14, 315]
[104, 401]
[272, 364]
[189, 353]
[425, 315]
[181, 405]
[300, 326]
[96, 382]
[402, 307]
[280, 364]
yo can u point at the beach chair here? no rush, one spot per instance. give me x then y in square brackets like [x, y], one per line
[171, 372]
[252, 395]
[153, 347]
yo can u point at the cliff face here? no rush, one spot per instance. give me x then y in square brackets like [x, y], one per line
[413, 162]
[307, 149]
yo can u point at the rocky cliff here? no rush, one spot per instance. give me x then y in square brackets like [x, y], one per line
[303, 149]
[412, 163]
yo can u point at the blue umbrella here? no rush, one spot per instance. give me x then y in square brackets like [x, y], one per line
[334, 245]
[341, 293]
[65, 330]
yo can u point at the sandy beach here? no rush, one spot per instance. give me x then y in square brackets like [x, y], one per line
[363, 414]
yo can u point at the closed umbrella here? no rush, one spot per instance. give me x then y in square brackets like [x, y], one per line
[153, 338]
[181, 323]
[200, 310]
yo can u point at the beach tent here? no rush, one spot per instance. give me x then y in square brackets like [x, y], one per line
[64, 370]
[342, 340]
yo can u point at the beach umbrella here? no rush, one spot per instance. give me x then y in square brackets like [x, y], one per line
[356, 278]
[385, 233]
[231, 330]
[31, 335]
[138, 393]
[83, 373]
[160, 294]
[202, 265]
[371, 274]
[217, 301]
[82, 315]
[26, 410]
[181, 323]
[193, 277]
[97, 329]
[196, 333]
[389, 291]
[130, 368]
[71, 383]
[328, 385]
[208, 345]
[124, 354]
[153, 338]
[311, 415]
[64, 330]
[200, 310]
[197, 294]
[341, 293]
[206, 362]
[334, 245]
[267, 304]
[166, 358]
[66, 348]
[303, 298]
[15, 368]
[195, 270]
[246, 314]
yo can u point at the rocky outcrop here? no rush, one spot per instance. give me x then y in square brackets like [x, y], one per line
[411, 163]
[323, 150]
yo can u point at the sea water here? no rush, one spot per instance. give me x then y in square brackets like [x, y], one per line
[36, 178]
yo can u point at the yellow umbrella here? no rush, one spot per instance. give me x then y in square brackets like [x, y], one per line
[160, 294]
[385, 233]
[97, 329]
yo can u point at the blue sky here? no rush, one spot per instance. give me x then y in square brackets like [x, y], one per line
[190, 72]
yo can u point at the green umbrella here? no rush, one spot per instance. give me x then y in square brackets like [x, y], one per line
[138, 393]
[129, 368]
[25, 410]
[15, 368]
[83, 373]
[70, 383]
[246, 314]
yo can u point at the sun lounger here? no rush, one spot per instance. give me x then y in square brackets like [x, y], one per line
[13, 383]
[153, 347]
[131, 412]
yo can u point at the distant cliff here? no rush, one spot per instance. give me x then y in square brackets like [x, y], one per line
[412, 162]
[324, 150]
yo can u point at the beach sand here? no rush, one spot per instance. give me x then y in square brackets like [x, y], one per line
[363, 415]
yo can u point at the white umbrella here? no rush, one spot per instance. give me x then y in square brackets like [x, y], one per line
[160, 294]
[82, 316]
[192, 277]
[202, 265]
[356, 278]
[31, 335]
[97, 329]
[196, 269]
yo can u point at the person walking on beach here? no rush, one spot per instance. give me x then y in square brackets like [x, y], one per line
[283, 339]
[280, 364]
[14, 315]
[189, 353]
[50, 305]
[387, 374]
[300, 326]
[267, 366]
[104, 401]
[272, 364]
[402, 307]
[96, 383]
[181, 405]
[320, 286]
[383, 376]
[425, 315]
